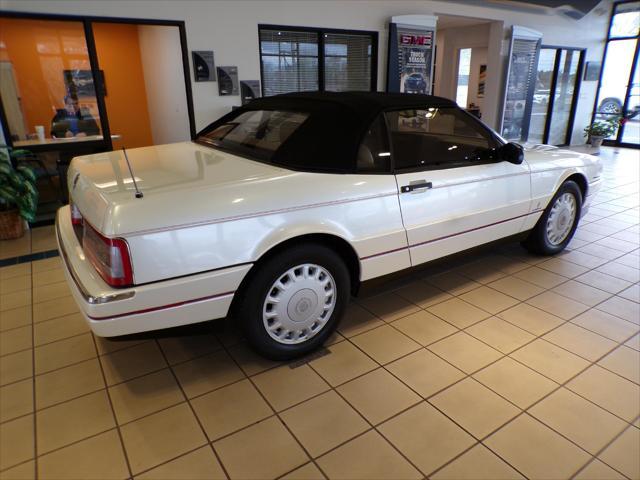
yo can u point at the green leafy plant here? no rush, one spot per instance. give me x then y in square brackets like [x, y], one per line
[17, 185]
[602, 128]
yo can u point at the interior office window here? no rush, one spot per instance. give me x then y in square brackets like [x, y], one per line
[347, 62]
[289, 61]
[464, 69]
[46, 83]
[437, 138]
[297, 60]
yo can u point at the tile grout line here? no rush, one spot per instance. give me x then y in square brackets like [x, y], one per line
[33, 379]
[193, 412]
[113, 412]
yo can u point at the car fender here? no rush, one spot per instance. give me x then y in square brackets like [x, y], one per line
[300, 229]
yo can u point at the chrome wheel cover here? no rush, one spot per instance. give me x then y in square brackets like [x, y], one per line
[299, 304]
[561, 218]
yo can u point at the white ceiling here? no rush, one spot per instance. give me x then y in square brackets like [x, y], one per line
[453, 21]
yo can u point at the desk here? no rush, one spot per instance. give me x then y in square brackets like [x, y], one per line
[51, 142]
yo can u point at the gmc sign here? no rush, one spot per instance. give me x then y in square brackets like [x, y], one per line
[406, 39]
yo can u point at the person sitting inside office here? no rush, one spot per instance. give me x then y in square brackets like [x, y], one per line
[72, 121]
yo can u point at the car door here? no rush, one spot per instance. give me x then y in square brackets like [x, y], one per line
[454, 192]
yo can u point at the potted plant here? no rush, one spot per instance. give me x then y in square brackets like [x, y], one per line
[18, 195]
[599, 130]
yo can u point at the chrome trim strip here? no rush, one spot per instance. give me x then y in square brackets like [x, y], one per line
[254, 215]
[387, 252]
[81, 288]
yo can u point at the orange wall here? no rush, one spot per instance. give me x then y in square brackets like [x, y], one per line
[119, 57]
[40, 50]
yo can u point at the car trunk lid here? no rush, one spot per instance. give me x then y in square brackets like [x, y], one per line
[169, 177]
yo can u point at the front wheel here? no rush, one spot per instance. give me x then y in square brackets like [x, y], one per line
[558, 223]
[293, 301]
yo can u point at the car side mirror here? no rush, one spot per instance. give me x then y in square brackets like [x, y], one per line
[511, 152]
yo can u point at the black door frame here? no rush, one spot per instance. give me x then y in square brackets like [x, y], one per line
[552, 91]
[87, 22]
[617, 142]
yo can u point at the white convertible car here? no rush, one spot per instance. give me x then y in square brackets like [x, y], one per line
[278, 211]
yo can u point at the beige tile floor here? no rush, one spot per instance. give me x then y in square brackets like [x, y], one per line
[40, 239]
[498, 365]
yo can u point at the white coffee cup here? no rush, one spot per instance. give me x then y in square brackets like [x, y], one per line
[40, 132]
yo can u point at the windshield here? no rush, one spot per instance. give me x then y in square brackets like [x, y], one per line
[257, 133]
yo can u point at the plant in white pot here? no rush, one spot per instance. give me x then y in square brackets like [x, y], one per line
[599, 130]
[18, 196]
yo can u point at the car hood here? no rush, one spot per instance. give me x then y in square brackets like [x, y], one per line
[170, 177]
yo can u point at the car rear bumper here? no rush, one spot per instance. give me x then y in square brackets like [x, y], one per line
[168, 303]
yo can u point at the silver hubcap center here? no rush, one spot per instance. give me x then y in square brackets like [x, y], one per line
[561, 218]
[299, 304]
[302, 305]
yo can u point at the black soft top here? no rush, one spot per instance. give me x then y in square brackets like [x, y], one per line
[329, 139]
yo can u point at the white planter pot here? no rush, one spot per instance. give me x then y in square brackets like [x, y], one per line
[596, 142]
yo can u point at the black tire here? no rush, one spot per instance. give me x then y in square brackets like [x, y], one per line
[249, 304]
[538, 241]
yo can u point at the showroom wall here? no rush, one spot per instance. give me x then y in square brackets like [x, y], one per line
[229, 28]
[450, 41]
[164, 78]
[126, 100]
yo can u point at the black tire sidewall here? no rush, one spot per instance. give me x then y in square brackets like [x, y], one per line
[541, 241]
[251, 301]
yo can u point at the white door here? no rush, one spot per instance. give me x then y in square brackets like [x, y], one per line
[454, 193]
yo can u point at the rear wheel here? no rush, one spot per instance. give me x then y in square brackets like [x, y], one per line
[293, 301]
[558, 223]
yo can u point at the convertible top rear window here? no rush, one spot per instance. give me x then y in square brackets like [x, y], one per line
[258, 132]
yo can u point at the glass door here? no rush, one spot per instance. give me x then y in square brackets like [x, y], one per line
[554, 98]
[619, 88]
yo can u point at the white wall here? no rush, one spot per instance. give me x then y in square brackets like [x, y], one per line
[230, 29]
[164, 82]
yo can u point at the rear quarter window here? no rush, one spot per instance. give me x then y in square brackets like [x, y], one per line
[256, 132]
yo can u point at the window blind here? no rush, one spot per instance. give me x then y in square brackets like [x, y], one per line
[347, 60]
[289, 61]
[296, 60]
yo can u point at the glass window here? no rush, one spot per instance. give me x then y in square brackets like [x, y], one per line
[563, 99]
[615, 78]
[46, 83]
[541, 94]
[291, 62]
[374, 154]
[626, 20]
[464, 68]
[259, 132]
[347, 64]
[437, 138]
[631, 128]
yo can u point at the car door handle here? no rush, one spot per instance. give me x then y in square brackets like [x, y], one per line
[420, 184]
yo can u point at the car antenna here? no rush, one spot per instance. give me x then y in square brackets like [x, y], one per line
[133, 177]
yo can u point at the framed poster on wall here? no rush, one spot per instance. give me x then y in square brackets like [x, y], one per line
[203, 66]
[249, 89]
[411, 46]
[227, 80]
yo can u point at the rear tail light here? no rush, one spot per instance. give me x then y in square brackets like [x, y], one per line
[76, 216]
[109, 256]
